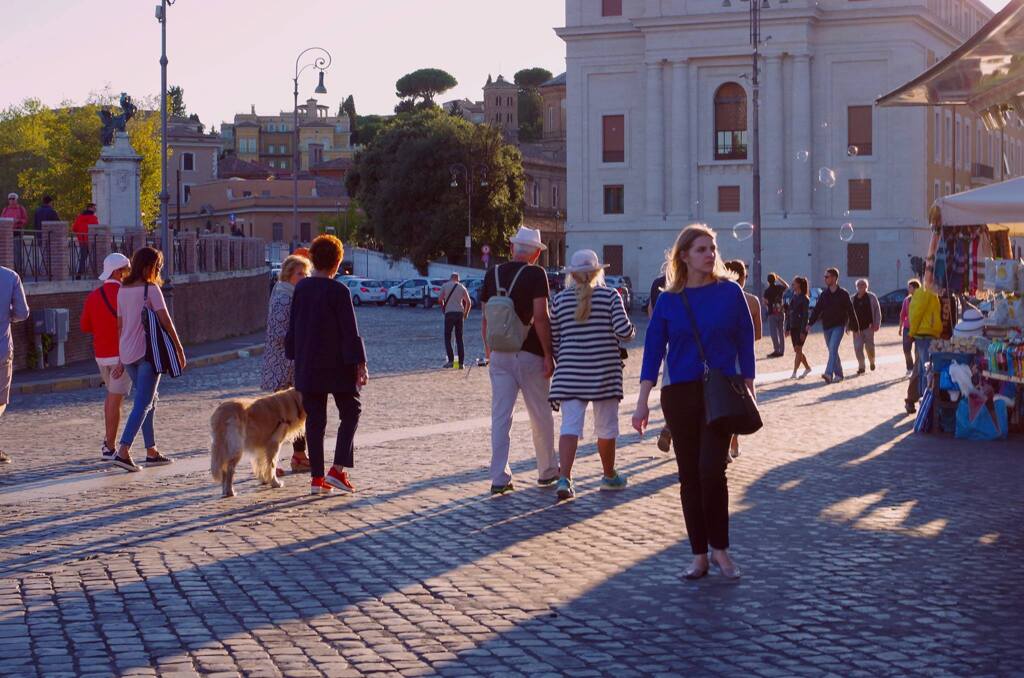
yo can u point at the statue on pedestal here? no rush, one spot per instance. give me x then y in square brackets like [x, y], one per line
[112, 123]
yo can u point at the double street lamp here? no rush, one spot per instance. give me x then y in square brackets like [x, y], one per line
[165, 196]
[468, 174]
[321, 62]
[755, 138]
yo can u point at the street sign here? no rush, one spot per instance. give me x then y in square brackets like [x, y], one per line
[486, 249]
[469, 242]
[231, 218]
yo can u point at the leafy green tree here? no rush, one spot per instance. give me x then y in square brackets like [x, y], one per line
[403, 182]
[176, 101]
[350, 226]
[424, 84]
[531, 106]
[349, 108]
[367, 127]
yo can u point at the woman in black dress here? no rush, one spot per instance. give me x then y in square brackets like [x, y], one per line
[796, 324]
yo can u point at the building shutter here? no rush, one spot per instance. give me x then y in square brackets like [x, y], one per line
[860, 194]
[859, 129]
[613, 138]
[611, 7]
[857, 260]
[613, 257]
[728, 198]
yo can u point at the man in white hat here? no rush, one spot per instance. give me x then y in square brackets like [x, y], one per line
[99, 318]
[517, 338]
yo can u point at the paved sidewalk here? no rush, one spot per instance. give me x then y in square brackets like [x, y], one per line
[867, 550]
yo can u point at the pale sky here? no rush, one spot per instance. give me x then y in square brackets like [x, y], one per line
[228, 54]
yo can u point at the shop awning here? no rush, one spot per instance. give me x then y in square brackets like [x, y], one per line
[985, 73]
[1001, 206]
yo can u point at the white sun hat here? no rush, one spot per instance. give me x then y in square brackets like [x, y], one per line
[529, 237]
[584, 261]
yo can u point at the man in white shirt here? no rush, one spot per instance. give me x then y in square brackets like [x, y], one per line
[456, 305]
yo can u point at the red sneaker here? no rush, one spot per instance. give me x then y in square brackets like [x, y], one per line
[339, 479]
[317, 486]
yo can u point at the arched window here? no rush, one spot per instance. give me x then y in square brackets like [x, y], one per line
[730, 122]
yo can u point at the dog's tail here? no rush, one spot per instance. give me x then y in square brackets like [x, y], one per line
[227, 436]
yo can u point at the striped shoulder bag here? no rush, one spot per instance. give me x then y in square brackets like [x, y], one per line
[160, 351]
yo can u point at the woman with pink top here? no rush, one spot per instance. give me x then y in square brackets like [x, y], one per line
[908, 341]
[141, 289]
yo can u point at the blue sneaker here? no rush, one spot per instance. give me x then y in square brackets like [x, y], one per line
[616, 482]
[565, 489]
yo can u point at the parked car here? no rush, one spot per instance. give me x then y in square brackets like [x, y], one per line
[788, 295]
[624, 286]
[474, 286]
[415, 291]
[365, 291]
[556, 280]
[892, 303]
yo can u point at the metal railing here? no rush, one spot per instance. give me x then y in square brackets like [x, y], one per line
[32, 255]
[82, 257]
[981, 171]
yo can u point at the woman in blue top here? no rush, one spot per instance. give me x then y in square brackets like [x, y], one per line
[727, 334]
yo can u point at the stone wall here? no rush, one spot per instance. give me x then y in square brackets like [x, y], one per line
[206, 307]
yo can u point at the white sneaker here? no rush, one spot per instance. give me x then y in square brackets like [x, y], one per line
[106, 452]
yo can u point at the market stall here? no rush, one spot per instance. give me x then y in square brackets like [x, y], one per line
[975, 385]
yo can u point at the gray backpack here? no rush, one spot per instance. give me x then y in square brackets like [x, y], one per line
[505, 331]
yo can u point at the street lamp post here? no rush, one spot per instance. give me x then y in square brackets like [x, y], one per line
[165, 196]
[467, 173]
[321, 62]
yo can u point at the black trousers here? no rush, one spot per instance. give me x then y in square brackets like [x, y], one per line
[453, 321]
[701, 458]
[349, 409]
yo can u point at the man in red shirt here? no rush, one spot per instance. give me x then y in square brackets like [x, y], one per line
[99, 318]
[80, 228]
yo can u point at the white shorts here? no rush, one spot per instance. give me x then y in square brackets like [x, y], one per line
[115, 385]
[606, 418]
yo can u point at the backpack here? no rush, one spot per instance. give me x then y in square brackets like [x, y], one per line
[160, 351]
[505, 331]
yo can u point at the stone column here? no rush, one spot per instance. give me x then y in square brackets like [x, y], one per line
[55, 249]
[801, 134]
[654, 132]
[695, 145]
[679, 188]
[188, 251]
[774, 136]
[7, 243]
[100, 242]
[206, 247]
[134, 239]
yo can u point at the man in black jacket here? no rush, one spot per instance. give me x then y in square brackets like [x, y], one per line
[835, 309]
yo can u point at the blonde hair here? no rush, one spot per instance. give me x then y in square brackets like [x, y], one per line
[291, 264]
[675, 267]
[583, 284]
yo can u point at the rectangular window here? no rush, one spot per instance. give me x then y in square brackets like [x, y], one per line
[948, 140]
[613, 200]
[857, 260]
[613, 257]
[858, 130]
[728, 198]
[188, 162]
[278, 231]
[937, 137]
[535, 194]
[860, 194]
[188, 192]
[554, 195]
[613, 138]
[967, 145]
[611, 7]
[304, 232]
[936, 191]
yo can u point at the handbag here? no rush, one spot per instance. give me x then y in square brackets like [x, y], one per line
[728, 405]
[160, 351]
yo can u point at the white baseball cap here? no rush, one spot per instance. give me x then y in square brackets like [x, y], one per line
[12, 195]
[111, 263]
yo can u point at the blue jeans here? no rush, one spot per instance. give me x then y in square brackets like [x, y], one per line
[834, 337]
[146, 381]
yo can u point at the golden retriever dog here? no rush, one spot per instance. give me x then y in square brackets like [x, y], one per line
[258, 426]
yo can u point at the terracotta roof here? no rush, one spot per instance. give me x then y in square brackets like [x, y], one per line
[233, 166]
[337, 163]
[555, 81]
[539, 153]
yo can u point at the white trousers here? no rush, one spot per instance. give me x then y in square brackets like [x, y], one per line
[512, 373]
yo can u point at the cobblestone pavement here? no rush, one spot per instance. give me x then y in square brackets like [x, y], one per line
[866, 550]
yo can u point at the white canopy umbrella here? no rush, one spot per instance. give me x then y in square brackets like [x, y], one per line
[1001, 206]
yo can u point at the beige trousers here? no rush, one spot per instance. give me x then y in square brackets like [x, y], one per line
[512, 373]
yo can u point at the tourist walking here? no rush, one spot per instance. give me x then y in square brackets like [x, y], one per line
[925, 326]
[16, 211]
[665, 437]
[140, 290]
[869, 320]
[277, 372]
[330, 360]
[774, 300]
[44, 212]
[835, 309]
[80, 227]
[456, 305]
[588, 321]
[99, 318]
[517, 340]
[739, 268]
[701, 311]
[796, 324]
[904, 331]
[13, 309]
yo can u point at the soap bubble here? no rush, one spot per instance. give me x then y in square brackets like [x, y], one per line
[743, 231]
[846, 213]
[803, 156]
[824, 124]
[852, 150]
[827, 177]
[846, 232]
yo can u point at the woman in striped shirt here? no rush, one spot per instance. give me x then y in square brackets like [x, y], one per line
[588, 321]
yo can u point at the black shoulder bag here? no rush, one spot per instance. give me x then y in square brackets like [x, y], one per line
[728, 405]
